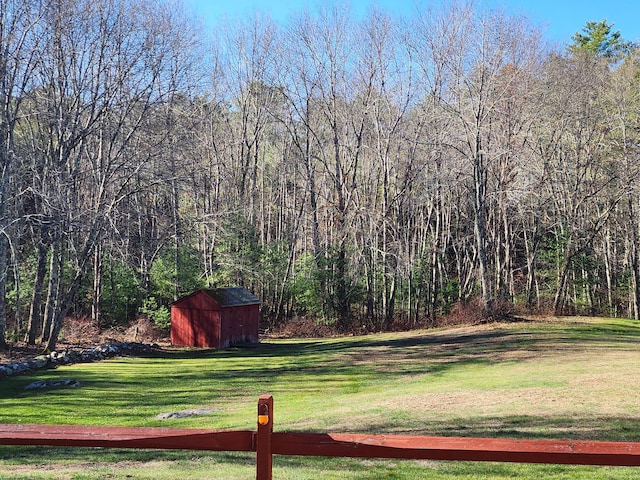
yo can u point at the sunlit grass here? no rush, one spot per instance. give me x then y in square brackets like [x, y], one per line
[564, 379]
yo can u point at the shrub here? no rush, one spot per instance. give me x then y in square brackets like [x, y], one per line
[158, 314]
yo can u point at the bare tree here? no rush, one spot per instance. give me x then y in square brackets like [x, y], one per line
[20, 37]
[623, 104]
[106, 67]
[323, 74]
[476, 66]
[578, 179]
[387, 175]
[433, 39]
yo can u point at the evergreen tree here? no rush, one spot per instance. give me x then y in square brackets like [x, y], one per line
[600, 40]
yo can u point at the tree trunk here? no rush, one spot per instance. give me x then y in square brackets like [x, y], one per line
[561, 291]
[3, 288]
[480, 221]
[98, 272]
[5, 162]
[608, 269]
[35, 312]
[56, 267]
[435, 260]
[634, 254]
[531, 242]
[85, 256]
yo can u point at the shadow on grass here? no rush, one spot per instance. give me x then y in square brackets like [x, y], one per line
[133, 390]
[596, 428]
[488, 344]
[162, 379]
[366, 469]
[33, 455]
[418, 354]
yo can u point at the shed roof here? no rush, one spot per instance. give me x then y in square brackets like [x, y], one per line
[232, 296]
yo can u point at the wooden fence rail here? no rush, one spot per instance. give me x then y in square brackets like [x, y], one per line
[266, 443]
[128, 437]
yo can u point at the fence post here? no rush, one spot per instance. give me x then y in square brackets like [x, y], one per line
[264, 459]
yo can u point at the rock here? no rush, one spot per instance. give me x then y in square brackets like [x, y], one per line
[42, 384]
[18, 367]
[184, 413]
[38, 362]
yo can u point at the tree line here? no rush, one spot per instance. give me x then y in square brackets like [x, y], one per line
[358, 171]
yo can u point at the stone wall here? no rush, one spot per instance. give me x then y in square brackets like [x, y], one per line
[67, 357]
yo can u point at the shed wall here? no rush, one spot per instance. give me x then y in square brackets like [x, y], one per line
[239, 324]
[195, 328]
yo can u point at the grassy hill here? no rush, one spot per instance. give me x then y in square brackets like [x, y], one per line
[570, 378]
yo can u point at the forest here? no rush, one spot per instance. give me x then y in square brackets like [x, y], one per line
[354, 171]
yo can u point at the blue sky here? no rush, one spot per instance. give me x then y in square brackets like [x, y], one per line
[559, 19]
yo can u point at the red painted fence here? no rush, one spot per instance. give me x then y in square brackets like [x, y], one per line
[266, 443]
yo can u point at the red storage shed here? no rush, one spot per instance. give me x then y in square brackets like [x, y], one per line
[215, 318]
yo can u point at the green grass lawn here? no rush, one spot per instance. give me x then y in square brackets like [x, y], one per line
[566, 379]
